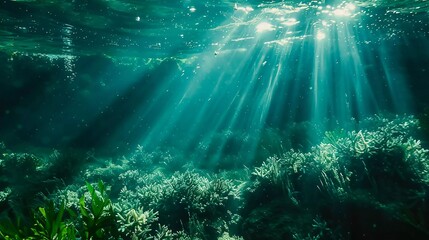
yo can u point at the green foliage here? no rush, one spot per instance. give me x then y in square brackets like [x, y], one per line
[10, 230]
[96, 220]
[98, 217]
[50, 225]
[47, 224]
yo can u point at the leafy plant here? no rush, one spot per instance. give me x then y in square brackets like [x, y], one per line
[98, 216]
[50, 225]
[10, 230]
[47, 224]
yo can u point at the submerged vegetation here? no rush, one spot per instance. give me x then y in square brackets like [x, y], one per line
[372, 180]
[214, 120]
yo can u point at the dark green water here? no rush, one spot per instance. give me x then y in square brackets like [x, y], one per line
[215, 119]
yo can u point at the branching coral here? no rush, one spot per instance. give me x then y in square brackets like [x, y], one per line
[381, 165]
[135, 223]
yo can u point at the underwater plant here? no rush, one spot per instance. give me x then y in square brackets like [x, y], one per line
[94, 220]
[14, 230]
[98, 217]
[49, 224]
[353, 180]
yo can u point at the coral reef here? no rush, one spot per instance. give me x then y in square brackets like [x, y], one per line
[371, 180]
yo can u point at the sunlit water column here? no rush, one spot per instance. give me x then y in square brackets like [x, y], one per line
[230, 93]
[212, 99]
[341, 89]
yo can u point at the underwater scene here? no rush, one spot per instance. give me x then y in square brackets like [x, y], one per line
[214, 119]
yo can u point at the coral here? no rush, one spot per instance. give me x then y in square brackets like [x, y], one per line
[183, 195]
[135, 223]
[23, 163]
[108, 170]
[382, 156]
[380, 167]
[163, 233]
[283, 173]
[141, 159]
[147, 161]
[369, 180]
[129, 178]
[226, 236]
[4, 194]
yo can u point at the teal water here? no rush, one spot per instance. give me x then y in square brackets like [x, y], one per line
[216, 119]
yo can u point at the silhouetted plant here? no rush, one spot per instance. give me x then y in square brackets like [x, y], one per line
[14, 230]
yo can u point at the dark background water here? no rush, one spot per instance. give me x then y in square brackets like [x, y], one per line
[113, 74]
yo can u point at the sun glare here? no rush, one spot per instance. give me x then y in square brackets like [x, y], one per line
[264, 27]
[320, 35]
